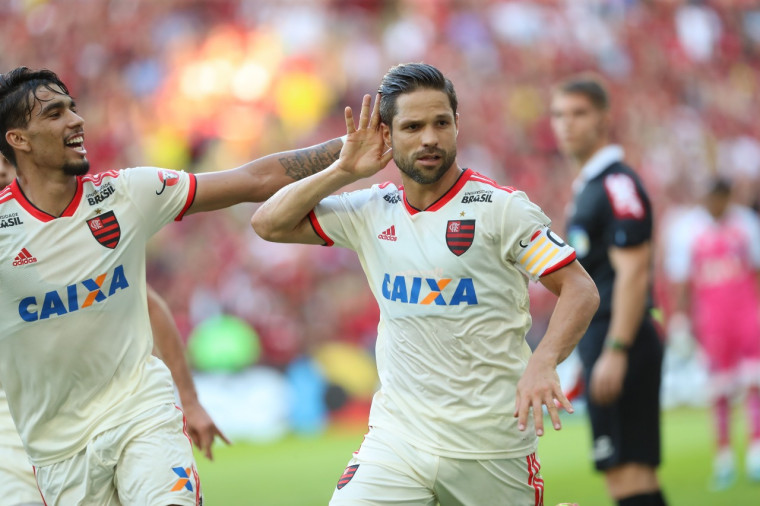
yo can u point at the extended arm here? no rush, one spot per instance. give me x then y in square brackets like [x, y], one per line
[629, 299]
[284, 217]
[578, 300]
[256, 181]
[170, 349]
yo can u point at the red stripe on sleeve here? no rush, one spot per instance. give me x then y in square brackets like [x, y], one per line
[560, 265]
[318, 229]
[190, 198]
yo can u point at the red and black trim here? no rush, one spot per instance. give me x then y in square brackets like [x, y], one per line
[349, 473]
[39, 213]
[560, 264]
[190, 197]
[464, 177]
[318, 229]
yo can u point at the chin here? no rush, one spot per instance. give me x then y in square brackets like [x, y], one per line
[76, 169]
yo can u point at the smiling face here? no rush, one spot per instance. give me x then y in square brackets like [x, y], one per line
[54, 136]
[423, 135]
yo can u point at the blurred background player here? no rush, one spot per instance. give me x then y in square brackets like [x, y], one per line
[610, 227]
[16, 474]
[448, 256]
[713, 257]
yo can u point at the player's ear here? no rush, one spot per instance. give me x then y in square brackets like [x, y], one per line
[17, 140]
[386, 134]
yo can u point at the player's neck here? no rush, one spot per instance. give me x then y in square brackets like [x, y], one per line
[422, 196]
[51, 193]
[581, 159]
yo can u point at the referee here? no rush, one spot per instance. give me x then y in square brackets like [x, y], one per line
[610, 227]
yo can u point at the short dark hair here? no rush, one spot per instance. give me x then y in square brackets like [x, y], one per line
[589, 85]
[719, 186]
[17, 97]
[409, 77]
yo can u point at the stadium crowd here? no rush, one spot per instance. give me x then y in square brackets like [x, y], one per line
[204, 85]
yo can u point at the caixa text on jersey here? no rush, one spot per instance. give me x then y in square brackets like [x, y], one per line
[69, 299]
[428, 290]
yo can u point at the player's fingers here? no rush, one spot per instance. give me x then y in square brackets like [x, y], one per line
[551, 408]
[350, 127]
[374, 121]
[364, 114]
[538, 416]
[221, 435]
[562, 400]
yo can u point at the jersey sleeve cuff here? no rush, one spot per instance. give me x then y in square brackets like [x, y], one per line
[318, 229]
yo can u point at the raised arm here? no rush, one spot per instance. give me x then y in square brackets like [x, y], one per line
[578, 300]
[170, 349]
[256, 181]
[284, 217]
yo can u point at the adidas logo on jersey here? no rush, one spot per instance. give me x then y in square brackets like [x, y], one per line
[24, 257]
[388, 235]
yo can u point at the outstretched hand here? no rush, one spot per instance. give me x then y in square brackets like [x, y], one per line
[539, 386]
[201, 428]
[364, 152]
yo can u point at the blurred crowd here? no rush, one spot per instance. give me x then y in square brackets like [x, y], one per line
[207, 85]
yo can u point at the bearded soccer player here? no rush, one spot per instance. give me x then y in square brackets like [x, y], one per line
[448, 256]
[94, 409]
[611, 228]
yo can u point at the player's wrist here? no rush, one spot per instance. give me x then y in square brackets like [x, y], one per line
[615, 344]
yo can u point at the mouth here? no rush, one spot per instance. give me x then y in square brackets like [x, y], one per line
[76, 143]
[429, 158]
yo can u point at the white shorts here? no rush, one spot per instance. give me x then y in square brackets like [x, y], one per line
[17, 485]
[146, 461]
[386, 470]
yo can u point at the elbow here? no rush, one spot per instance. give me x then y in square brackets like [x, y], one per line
[592, 296]
[262, 226]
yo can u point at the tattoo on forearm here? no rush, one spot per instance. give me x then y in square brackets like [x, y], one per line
[305, 162]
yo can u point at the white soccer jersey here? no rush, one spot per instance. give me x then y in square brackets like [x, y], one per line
[451, 283]
[75, 338]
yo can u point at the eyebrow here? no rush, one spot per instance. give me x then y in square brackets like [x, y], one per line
[57, 104]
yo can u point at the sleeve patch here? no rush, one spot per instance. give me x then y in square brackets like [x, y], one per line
[544, 250]
[625, 200]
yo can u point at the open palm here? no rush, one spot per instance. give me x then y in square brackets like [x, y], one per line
[364, 152]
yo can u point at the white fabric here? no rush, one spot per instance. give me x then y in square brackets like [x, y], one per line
[75, 338]
[451, 339]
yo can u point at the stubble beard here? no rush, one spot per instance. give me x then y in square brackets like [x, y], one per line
[76, 168]
[420, 176]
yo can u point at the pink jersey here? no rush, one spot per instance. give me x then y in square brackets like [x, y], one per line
[720, 260]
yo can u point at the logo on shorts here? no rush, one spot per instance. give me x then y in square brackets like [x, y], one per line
[184, 479]
[347, 475]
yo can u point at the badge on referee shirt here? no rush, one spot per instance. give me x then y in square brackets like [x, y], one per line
[105, 229]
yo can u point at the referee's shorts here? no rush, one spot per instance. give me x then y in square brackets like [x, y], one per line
[628, 430]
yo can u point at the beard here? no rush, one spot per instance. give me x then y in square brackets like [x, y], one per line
[421, 176]
[76, 168]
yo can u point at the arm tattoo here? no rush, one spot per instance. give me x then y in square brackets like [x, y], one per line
[301, 163]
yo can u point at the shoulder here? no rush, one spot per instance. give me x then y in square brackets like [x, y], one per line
[624, 191]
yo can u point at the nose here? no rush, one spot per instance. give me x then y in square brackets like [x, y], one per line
[75, 119]
[429, 137]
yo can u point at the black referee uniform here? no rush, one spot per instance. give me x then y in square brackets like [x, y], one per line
[611, 208]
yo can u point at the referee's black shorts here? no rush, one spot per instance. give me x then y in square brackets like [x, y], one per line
[627, 431]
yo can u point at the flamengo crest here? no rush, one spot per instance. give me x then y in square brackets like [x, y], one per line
[459, 235]
[105, 228]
